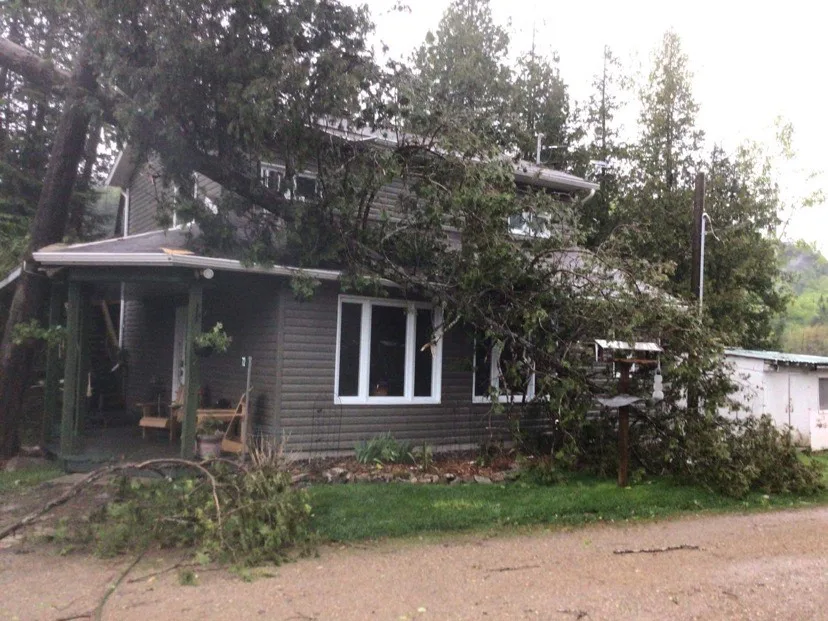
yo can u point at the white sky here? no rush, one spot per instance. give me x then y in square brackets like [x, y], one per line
[752, 62]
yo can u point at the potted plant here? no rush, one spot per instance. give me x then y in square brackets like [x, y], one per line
[215, 340]
[209, 434]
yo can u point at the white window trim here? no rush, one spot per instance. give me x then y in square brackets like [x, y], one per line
[363, 397]
[494, 380]
[282, 171]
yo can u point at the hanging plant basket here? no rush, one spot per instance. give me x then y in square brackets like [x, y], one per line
[203, 351]
[216, 340]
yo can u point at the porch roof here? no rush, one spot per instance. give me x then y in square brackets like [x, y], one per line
[159, 249]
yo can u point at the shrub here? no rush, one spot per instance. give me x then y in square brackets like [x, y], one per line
[384, 449]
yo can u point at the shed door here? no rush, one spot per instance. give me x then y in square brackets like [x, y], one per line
[804, 397]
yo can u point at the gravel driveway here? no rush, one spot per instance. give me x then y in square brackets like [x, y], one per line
[758, 566]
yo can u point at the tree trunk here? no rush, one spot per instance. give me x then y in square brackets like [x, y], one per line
[48, 227]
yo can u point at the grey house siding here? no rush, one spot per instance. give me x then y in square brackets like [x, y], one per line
[310, 418]
[143, 204]
[293, 345]
[149, 326]
[248, 307]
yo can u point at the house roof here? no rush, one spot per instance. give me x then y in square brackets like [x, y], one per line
[603, 344]
[525, 172]
[778, 357]
[161, 249]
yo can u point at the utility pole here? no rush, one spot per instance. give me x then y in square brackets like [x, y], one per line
[696, 275]
[698, 244]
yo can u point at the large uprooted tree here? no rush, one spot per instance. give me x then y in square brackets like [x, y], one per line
[212, 87]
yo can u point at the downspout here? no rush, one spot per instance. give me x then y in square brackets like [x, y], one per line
[125, 194]
[588, 197]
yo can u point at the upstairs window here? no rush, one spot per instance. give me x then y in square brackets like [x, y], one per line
[385, 353]
[300, 187]
[497, 370]
[528, 224]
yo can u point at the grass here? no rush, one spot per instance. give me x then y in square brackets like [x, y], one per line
[12, 481]
[366, 511]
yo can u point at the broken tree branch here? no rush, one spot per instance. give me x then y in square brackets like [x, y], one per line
[657, 550]
[152, 464]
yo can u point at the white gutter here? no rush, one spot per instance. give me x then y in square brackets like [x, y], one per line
[132, 259]
[13, 275]
[125, 194]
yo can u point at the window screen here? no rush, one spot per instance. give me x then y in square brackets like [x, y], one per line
[823, 393]
[349, 340]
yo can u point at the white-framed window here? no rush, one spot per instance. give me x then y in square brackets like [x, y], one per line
[385, 352]
[301, 187]
[490, 368]
[823, 393]
[529, 224]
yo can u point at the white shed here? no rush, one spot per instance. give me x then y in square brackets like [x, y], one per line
[791, 388]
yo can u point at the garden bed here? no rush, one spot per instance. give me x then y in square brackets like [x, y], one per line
[445, 468]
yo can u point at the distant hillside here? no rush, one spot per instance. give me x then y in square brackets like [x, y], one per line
[805, 328]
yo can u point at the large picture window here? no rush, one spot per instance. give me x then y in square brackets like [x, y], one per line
[495, 371]
[385, 353]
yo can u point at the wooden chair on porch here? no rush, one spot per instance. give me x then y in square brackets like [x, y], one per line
[161, 415]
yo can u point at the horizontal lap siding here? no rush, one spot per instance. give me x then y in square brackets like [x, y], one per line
[148, 340]
[247, 307]
[312, 421]
[143, 205]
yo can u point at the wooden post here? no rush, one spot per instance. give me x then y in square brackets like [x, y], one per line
[188, 429]
[624, 429]
[74, 318]
[246, 418]
[51, 390]
[84, 378]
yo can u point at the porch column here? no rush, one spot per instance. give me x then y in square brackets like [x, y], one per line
[72, 369]
[51, 390]
[191, 378]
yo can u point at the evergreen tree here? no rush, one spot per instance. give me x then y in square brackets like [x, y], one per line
[461, 73]
[606, 157]
[541, 106]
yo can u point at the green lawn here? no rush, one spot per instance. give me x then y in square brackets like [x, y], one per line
[367, 511]
[10, 481]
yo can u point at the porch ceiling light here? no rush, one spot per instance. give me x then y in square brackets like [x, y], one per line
[208, 273]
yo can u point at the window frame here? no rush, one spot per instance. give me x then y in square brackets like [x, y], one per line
[363, 396]
[494, 379]
[525, 229]
[281, 178]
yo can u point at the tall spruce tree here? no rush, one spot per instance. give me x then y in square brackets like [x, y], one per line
[606, 156]
[540, 103]
[461, 73]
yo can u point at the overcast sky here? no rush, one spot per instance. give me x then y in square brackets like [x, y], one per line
[752, 62]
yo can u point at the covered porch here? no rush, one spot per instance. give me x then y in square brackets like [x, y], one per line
[84, 431]
[167, 295]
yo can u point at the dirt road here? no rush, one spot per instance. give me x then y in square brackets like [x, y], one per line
[760, 566]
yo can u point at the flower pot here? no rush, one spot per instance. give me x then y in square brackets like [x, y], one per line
[203, 351]
[209, 446]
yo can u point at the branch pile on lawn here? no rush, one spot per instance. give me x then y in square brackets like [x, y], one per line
[232, 513]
